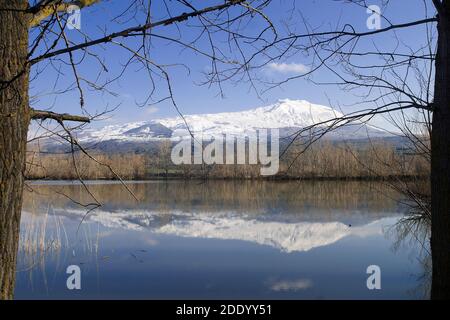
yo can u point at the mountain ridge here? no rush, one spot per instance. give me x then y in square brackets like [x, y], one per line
[285, 114]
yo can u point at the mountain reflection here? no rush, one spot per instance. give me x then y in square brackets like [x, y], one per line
[218, 239]
[285, 236]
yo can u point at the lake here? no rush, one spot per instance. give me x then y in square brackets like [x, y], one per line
[218, 240]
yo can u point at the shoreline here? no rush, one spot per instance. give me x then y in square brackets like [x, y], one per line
[404, 178]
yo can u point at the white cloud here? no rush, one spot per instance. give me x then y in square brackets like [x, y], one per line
[288, 67]
[151, 110]
[294, 285]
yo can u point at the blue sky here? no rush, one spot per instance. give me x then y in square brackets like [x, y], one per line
[191, 98]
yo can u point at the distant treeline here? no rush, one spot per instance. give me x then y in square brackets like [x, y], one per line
[324, 160]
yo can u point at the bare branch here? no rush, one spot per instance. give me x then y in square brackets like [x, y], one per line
[437, 5]
[139, 29]
[43, 115]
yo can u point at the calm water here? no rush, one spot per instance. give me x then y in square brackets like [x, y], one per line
[188, 240]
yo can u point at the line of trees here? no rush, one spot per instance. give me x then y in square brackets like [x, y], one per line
[324, 160]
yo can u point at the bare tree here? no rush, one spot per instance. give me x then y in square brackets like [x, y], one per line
[33, 39]
[410, 84]
[164, 161]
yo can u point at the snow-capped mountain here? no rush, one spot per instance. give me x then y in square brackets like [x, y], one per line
[286, 115]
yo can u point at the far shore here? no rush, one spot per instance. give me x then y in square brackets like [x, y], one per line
[261, 178]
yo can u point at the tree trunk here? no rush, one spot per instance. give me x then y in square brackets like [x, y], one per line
[14, 120]
[440, 164]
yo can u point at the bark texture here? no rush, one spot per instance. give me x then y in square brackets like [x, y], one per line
[14, 121]
[440, 163]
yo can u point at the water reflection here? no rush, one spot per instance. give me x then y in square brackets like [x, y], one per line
[414, 230]
[216, 240]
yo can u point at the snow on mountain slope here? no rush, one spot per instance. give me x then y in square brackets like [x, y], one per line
[284, 114]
